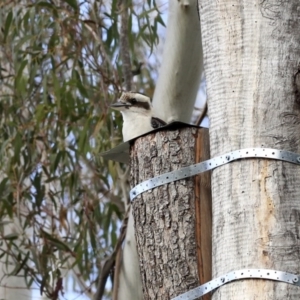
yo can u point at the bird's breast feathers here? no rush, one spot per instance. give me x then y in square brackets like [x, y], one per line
[133, 127]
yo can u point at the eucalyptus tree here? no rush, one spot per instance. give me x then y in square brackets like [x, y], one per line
[60, 69]
[251, 58]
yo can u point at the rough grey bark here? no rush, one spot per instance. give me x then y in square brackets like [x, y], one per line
[251, 56]
[165, 216]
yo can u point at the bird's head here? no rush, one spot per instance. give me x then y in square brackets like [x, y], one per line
[131, 102]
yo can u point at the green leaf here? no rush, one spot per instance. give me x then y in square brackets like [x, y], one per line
[3, 186]
[79, 84]
[56, 242]
[93, 239]
[57, 159]
[20, 73]
[18, 143]
[107, 219]
[73, 4]
[20, 266]
[39, 189]
[160, 20]
[11, 236]
[40, 112]
[26, 19]
[53, 41]
[22, 41]
[83, 138]
[8, 22]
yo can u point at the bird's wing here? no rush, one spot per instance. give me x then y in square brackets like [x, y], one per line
[156, 122]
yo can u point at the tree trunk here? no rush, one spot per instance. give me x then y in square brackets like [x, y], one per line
[203, 211]
[251, 55]
[128, 281]
[180, 74]
[173, 100]
[165, 217]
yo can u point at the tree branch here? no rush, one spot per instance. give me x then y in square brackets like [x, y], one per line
[110, 261]
[124, 45]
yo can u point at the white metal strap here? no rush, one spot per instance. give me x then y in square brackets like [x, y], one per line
[212, 164]
[237, 275]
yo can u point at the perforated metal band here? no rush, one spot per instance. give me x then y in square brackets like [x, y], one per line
[237, 275]
[213, 163]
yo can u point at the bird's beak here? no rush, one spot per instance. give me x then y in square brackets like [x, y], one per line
[119, 105]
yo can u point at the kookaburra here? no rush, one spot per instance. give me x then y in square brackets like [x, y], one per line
[137, 115]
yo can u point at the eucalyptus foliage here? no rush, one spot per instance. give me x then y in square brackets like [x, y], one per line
[60, 204]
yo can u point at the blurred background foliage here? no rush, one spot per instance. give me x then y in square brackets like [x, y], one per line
[61, 204]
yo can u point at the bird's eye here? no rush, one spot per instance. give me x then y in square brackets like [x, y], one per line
[133, 100]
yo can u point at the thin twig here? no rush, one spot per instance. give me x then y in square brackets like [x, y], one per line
[202, 115]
